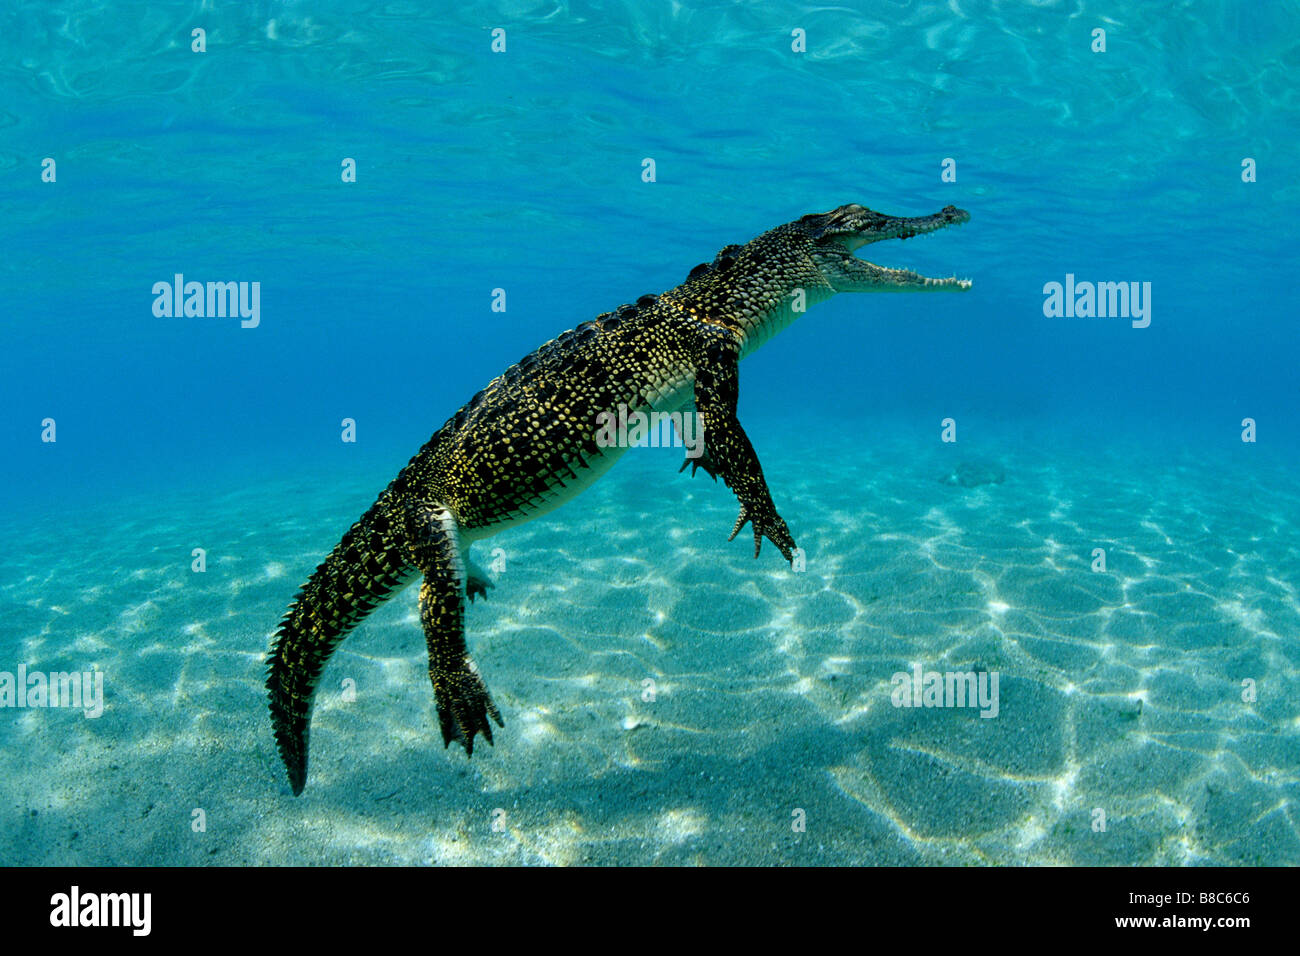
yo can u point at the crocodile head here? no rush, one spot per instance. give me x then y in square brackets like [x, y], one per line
[835, 235]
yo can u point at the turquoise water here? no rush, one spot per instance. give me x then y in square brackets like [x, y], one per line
[1162, 691]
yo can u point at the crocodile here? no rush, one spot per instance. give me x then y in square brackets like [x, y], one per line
[528, 442]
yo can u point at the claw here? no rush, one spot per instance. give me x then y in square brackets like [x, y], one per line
[741, 519]
[464, 706]
[775, 531]
[478, 586]
[696, 464]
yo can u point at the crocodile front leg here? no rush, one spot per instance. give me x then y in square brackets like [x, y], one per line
[717, 388]
[476, 579]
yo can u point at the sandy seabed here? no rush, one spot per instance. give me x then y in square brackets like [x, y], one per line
[1119, 691]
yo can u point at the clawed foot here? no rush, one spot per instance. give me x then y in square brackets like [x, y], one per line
[476, 583]
[701, 462]
[768, 525]
[464, 706]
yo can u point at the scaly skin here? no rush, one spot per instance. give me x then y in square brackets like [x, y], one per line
[528, 442]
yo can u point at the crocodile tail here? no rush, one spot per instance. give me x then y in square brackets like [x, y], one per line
[369, 564]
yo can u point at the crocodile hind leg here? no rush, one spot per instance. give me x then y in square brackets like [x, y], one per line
[464, 704]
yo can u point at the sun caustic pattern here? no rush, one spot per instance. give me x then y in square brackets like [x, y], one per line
[383, 382]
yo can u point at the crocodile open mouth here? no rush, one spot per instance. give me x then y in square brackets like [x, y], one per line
[851, 227]
[907, 228]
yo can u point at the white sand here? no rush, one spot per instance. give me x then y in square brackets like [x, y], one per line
[772, 689]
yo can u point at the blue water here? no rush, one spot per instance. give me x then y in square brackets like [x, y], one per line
[522, 170]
